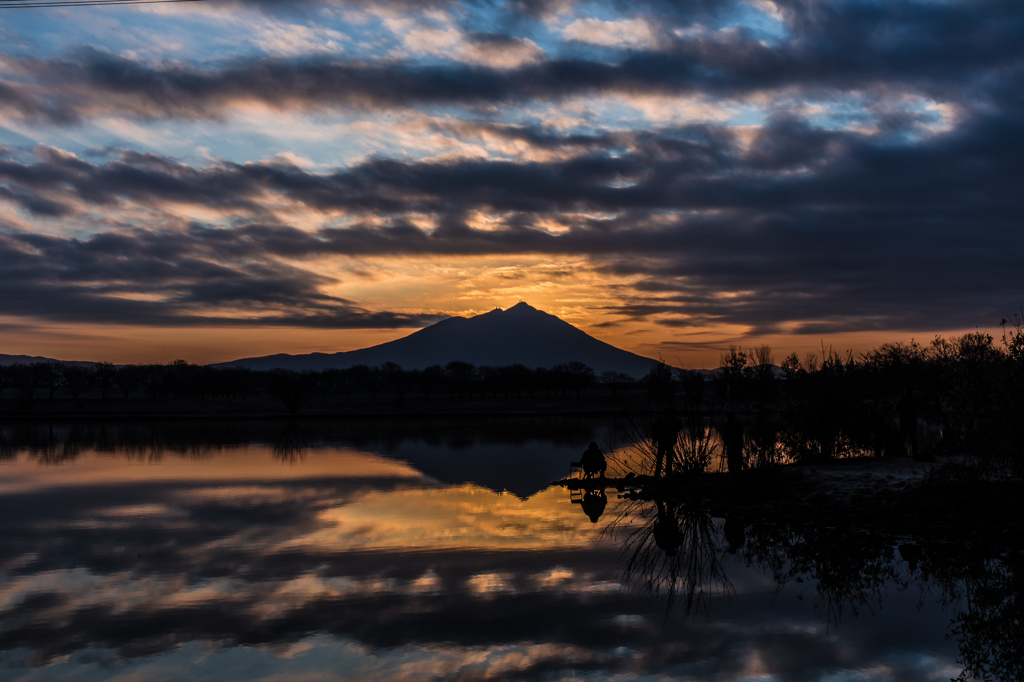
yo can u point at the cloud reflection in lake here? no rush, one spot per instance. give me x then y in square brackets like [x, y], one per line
[228, 562]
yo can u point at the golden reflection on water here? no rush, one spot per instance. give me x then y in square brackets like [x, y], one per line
[417, 514]
[245, 463]
[390, 508]
[465, 516]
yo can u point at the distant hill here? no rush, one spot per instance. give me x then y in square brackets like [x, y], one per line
[522, 334]
[32, 359]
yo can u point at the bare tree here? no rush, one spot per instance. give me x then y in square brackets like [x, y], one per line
[49, 375]
[581, 377]
[293, 389]
[615, 381]
[127, 378]
[105, 373]
[7, 376]
[76, 379]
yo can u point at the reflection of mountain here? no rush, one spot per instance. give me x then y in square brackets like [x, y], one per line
[521, 469]
[522, 334]
[522, 455]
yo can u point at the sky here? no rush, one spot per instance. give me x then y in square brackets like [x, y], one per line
[221, 179]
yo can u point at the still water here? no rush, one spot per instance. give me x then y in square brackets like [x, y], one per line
[431, 550]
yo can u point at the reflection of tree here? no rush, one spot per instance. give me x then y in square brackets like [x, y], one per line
[675, 553]
[987, 599]
[692, 441]
[990, 631]
[290, 446]
[850, 570]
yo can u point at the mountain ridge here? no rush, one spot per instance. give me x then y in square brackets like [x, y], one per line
[6, 360]
[521, 334]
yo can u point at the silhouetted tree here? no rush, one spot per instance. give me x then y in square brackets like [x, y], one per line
[542, 381]
[76, 378]
[615, 381]
[1011, 398]
[154, 380]
[431, 379]
[291, 388]
[761, 371]
[792, 366]
[580, 376]
[488, 379]
[48, 375]
[733, 365]
[6, 377]
[104, 373]
[128, 379]
[237, 381]
[818, 413]
[393, 377]
[365, 378]
[970, 367]
[517, 378]
[460, 376]
[560, 378]
[323, 381]
[659, 386]
[25, 381]
[341, 381]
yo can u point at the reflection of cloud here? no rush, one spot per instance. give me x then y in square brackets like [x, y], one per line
[466, 516]
[515, 588]
[253, 473]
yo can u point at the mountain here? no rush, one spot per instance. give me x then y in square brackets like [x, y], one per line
[522, 334]
[33, 359]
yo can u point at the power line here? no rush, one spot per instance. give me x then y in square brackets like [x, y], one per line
[14, 4]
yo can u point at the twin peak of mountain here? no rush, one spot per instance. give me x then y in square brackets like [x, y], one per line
[520, 335]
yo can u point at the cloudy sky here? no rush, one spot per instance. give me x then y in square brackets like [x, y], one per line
[218, 179]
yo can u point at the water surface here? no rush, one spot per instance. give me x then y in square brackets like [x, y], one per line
[434, 550]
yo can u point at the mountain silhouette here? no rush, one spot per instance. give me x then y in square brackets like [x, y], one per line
[522, 334]
[35, 359]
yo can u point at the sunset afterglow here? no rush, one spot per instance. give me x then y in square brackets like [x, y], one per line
[222, 179]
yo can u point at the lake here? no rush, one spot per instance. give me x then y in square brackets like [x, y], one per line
[411, 550]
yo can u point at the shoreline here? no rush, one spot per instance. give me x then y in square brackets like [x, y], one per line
[929, 503]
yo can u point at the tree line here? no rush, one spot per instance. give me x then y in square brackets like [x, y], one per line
[30, 383]
[966, 393]
[822, 406]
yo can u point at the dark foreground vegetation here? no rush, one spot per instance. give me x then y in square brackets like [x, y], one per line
[962, 396]
[181, 387]
[812, 443]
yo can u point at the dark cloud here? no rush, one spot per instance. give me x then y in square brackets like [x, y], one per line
[168, 279]
[506, 11]
[802, 225]
[966, 52]
[799, 228]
